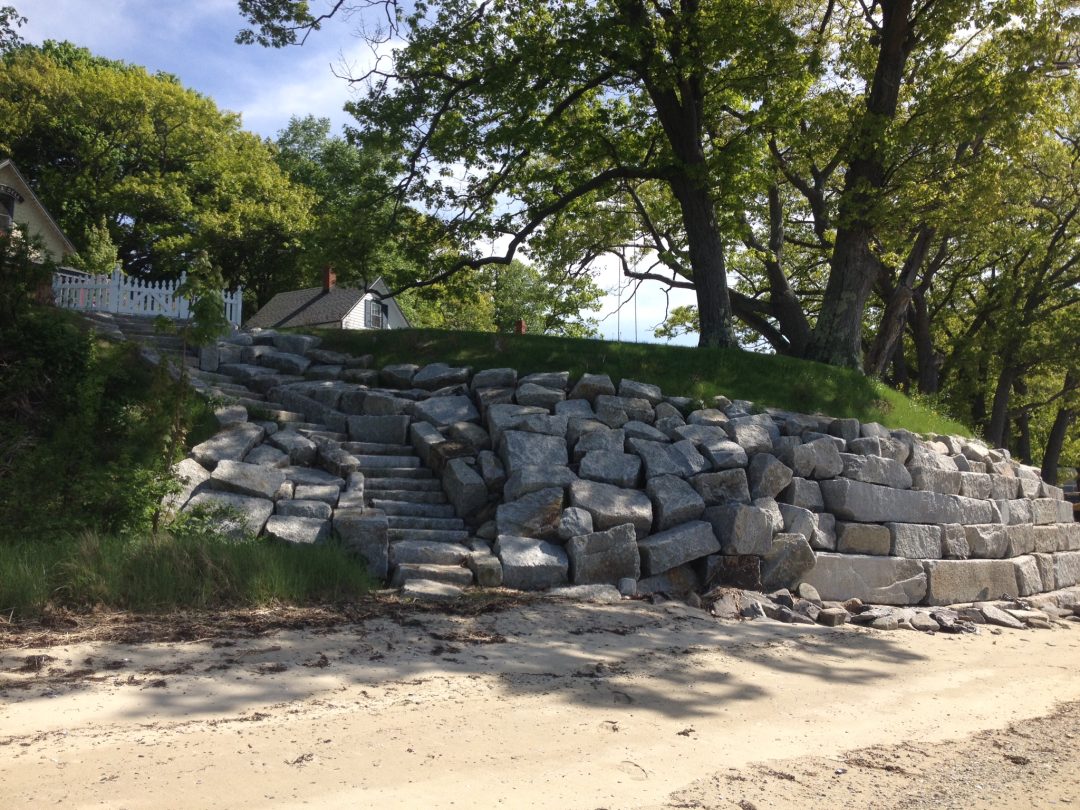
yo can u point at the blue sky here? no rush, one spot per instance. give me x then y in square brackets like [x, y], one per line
[193, 39]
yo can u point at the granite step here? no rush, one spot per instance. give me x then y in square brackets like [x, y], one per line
[387, 461]
[407, 495]
[410, 522]
[431, 535]
[422, 473]
[393, 507]
[377, 449]
[402, 484]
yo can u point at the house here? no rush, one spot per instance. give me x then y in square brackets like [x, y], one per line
[21, 209]
[332, 307]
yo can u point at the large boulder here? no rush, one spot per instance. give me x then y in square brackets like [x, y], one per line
[299, 448]
[247, 479]
[228, 445]
[365, 533]
[988, 541]
[302, 531]
[741, 528]
[494, 378]
[190, 476]
[768, 476]
[519, 449]
[915, 541]
[531, 479]
[534, 515]
[875, 580]
[863, 538]
[574, 523]
[538, 395]
[612, 506]
[787, 561]
[674, 547]
[239, 515]
[674, 501]
[601, 439]
[953, 581]
[427, 552]
[440, 411]
[464, 487]
[604, 557]
[379, 429]
[876, 470]
[531, 565]
[439, 375]
[870, 503]
[618, 468]
[660, 458]
[719, 487]
[590, 386]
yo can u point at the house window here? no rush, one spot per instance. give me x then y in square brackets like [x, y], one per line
[375, 316]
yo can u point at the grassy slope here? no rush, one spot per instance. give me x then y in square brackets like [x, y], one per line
[767, 380]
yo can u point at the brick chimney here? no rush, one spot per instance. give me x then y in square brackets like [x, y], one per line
[329, 278]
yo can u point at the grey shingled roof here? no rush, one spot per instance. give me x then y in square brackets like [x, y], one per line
[306, 307]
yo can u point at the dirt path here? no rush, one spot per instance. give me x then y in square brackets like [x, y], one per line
[545, 705]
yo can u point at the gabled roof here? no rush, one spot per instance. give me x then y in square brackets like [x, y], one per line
[28, 193]
[306, 307]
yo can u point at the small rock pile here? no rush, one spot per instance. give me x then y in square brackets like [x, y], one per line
[439, 477]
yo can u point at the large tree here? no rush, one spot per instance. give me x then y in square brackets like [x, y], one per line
[513, 112]
[167, 171]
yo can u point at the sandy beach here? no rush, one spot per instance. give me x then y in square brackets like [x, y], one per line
[539, 704]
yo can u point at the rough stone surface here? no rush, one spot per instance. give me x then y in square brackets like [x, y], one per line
[787, 561]
[531, 565]
[538, 395]
[380, 429]
[725, 455]
[618, 468]
[519, 449]
[191, 476]
[590, 386]
[534, 515]
[659, 458]
[876, 470]
[305, 509]
[439, 375]
[768, 476]
[531, 479]
[440, 411]
[327, 493]
[426, 552]
[228, 445]
[953, 581]
[720, 487]
[674, 547]
[954, 545]
[674, 501]
[805, 493]
[1067, 569]
[247, 515]
[741, 529]
[863, 538]
[247, 479]
[604, 557]
[797, 520]
[574, 522]
[987, 541]
[915, 541]
[874, 580]
[612, 506]
[365, 533]
[494, 378]
[300, 449]
[464, 487]
[870, 503]
[303, 531]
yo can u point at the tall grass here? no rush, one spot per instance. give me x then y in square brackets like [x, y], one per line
[163, 572]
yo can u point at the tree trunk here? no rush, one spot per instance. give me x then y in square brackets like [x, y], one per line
[706, 250]
[1056, 440]
[999, 411]
[1023, 437]
[837, 337]
[925, 356]
[892, 324]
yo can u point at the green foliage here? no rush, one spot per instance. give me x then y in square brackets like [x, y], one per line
[10, 22]
[100, 256]
[165, 169]
[185, 569]
[767, 380]
[95, 447]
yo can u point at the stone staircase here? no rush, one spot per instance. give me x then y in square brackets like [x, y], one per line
[143, 330]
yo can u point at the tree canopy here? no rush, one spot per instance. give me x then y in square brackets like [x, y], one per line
[166, 171]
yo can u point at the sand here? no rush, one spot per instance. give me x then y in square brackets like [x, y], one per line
[544, 704]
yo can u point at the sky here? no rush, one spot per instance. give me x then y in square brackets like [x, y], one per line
[194, 39]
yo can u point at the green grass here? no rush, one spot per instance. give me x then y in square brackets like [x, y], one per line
[767, 380]
[164, 572]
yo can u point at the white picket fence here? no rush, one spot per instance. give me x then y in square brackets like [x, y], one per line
[124, 295]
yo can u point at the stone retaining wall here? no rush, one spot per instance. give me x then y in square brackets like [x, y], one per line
[588, 482]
